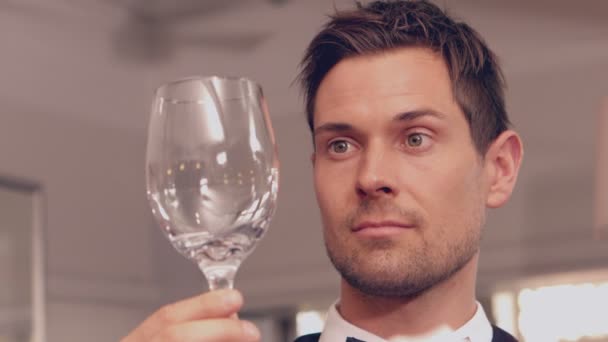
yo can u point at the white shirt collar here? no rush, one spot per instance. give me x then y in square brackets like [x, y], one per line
[477, 329]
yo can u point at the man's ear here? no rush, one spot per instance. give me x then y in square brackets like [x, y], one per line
[312, 159]
[502, 162]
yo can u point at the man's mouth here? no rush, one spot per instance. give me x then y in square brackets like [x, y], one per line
[381, 228]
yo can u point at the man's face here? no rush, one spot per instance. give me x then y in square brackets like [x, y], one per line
[400, 185]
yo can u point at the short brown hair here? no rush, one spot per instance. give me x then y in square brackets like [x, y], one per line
[477, 80]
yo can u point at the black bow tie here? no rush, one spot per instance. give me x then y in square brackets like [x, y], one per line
[352, 339]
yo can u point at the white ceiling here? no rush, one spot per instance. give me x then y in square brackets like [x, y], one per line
[89, 60]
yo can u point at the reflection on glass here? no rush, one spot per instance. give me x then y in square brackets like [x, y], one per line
[212, 171]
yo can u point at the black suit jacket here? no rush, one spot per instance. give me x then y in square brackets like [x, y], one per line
[498, 336]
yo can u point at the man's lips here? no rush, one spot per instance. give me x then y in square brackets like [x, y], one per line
[371, 225]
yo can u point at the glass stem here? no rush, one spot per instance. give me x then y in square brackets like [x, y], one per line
[219, 277]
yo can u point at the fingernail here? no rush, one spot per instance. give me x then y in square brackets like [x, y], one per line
[232, 298]
[251, 331]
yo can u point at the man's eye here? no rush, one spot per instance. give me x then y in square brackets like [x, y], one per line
[415, 140]
[339, 146]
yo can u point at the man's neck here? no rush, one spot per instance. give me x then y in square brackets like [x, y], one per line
[449, 304]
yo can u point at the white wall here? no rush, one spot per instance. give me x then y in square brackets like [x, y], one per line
[547, 227]
[97, 226]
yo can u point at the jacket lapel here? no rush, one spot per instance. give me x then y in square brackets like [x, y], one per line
[309, 338]
[499, 335]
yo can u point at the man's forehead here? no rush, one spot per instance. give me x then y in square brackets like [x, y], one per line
[404, 62]
[396, 75]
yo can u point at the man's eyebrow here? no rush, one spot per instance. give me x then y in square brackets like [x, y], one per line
[333, 127]
[405, 116]
[417, 113]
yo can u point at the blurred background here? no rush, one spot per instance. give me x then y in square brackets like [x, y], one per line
[82, 260]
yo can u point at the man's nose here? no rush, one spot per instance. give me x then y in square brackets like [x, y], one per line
[375, 177]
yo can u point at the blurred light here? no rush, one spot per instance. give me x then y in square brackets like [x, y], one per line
[221, 158]
[204, 189]
[564, 312]
[309, 322]
[171, 196]
[504, 311]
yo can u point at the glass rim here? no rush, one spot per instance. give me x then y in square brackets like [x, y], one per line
[168, 84]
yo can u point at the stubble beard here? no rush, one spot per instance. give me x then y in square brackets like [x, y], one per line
[390, 268]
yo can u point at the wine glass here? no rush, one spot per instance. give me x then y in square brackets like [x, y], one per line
[212, 171]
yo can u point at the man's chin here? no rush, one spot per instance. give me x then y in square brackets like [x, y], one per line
[383, 244]
[385, 278]
[386, 286]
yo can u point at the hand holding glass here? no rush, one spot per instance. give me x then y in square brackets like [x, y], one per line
[212, 171]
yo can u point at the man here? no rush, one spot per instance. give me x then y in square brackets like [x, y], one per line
[411, 145]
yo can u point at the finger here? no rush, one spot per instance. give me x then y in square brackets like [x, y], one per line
[212, 330]
[213, 304]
